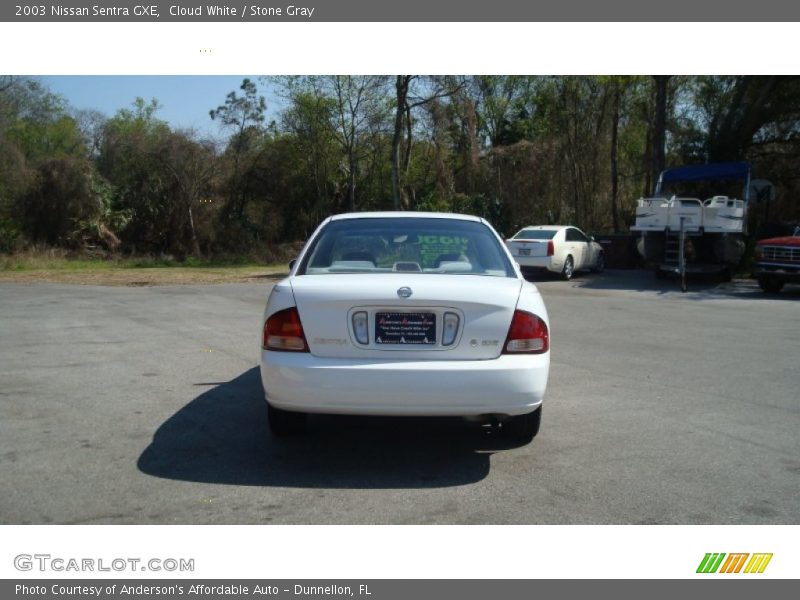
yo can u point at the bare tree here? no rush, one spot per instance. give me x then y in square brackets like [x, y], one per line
[91, 123]
[244, 115]
[359, 108]
[408, 99]
[192, 166]
[360, 111]
[498, 96]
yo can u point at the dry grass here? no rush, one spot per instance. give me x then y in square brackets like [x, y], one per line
[129, 273]
[144, 277]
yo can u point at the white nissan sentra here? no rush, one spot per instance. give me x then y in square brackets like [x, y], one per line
[400, 313]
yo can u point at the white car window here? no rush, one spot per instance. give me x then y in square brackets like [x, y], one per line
[573, 235]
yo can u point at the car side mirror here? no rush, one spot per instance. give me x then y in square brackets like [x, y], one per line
[291, 263]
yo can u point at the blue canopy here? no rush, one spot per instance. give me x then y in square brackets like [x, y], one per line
[709, 172]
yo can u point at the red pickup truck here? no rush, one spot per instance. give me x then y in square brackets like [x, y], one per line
[777, 261]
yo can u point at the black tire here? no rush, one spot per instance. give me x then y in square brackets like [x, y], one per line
[660, 274]
[770, 285]
[523, 428]
[600, 265]
[569, 268]
[726, 275]
[284, 423]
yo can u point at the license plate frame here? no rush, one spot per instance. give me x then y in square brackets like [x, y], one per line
[405, 328]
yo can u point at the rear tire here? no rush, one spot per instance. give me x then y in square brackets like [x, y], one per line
[568, 269]
[523, 428]
[283, 423]
[770, 285]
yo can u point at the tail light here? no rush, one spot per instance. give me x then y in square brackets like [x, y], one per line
[527, 335]
[283, 331]
[551, 248]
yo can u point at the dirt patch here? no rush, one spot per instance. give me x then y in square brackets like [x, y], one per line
[146, 277]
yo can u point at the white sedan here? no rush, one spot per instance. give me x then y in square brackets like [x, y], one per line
[419, 314]
[561, 249]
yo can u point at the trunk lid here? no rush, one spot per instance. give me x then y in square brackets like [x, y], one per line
[528, 247]
[483, 304]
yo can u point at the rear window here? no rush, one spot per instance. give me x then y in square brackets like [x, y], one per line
[406, 245]
[535, 234]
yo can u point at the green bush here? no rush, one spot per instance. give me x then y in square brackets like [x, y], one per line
[9, 236]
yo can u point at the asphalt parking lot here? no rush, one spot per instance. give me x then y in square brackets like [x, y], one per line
[143, 405]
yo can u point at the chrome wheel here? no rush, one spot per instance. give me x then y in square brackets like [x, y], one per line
[569, 268]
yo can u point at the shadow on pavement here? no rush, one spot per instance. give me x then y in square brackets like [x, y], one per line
[222, 436]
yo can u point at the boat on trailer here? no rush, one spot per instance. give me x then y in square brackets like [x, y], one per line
[710, 231]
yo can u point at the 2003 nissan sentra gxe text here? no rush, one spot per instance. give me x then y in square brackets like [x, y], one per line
[418, 314]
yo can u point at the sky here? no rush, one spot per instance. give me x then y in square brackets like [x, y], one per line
[185, 99]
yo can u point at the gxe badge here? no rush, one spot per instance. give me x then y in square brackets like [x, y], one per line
[404, 292]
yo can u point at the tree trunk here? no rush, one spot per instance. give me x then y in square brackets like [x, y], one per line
[614, 170]
[351, 181]
[660, 129]
[401, 85]
[471, 158]
[193, 234]
[647, 161]
[405, 194]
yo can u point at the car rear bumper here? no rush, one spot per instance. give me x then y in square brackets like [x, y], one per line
[778, 272]
[508, 385]
[540, 263]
